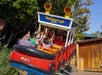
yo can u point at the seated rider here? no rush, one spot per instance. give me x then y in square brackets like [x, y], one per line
[38, 37]
[44, 34]
[46, 43]
[25, 41]
[33, 39]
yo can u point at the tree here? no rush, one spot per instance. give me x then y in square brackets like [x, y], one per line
[98, 33]
[5, 68]
[81, 15]
[20, 16]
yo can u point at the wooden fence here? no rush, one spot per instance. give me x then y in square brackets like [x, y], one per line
[89, 55]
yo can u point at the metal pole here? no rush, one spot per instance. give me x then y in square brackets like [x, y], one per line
[66, 43]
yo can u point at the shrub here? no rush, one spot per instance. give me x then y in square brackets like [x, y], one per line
[5, 68]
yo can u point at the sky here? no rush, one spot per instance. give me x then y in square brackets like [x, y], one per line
[96, 16]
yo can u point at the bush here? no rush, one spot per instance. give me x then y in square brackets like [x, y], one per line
[5, 68]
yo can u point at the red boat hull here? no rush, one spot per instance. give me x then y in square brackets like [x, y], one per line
[32, 61]
[39, 60]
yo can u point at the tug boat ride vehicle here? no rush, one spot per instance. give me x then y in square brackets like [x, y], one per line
[50, 60]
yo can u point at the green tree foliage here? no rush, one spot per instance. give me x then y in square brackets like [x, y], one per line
[20, 16]
[97, 34]
[20, 9]
[5, 68]
[81, 14]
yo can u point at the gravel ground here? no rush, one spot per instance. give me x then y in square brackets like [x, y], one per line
[86, 73]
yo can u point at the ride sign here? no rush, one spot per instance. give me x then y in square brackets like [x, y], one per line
[55, 21]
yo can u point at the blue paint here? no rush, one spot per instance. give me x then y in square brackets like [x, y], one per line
[28, 69]
[55, 20]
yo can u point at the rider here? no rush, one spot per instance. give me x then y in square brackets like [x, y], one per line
[25, 40]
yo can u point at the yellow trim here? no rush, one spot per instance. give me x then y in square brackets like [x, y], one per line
[66, 11]
[47, 10]
[67, 14]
